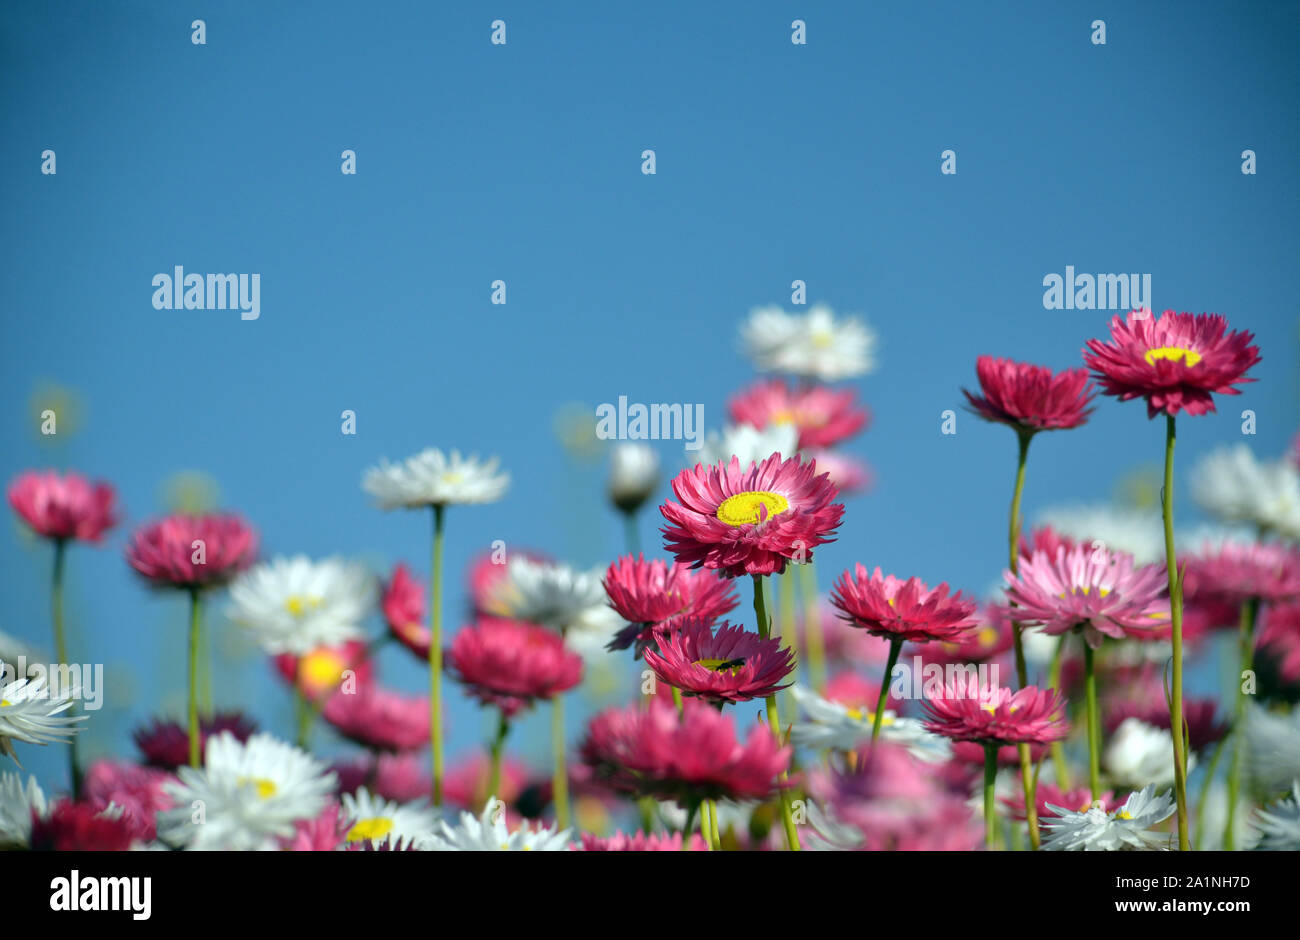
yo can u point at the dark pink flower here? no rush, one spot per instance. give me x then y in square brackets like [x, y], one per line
[1240, 571]
[380, 719]
[823, 416]
[639, 842]
[404, 611]
[646, 593]
[1030, 398]
[66, 506]
[166, 744]
[1280, 635]
[750, 520]
[988, 715]
[511, 664]
[80, 827]
[192, 551]
[137, 790]
[726, 665]
[325, 832]
[1177, 363]
[887, 606]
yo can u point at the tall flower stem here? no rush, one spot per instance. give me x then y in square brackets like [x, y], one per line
[895, 647]
[1022, 671]
[812, 627]
[1176, 617]
[788, 632]
[1094, 720]
[990, 778]
[498, 745]
[435, 654]
[1246, 639]
[1054, 683]
[715, 836]
[706, 827]
[560, 774]
[631, 534]
[1199, 835]
[774, 717]
[61, 650]
[194, 669]
[690, 825]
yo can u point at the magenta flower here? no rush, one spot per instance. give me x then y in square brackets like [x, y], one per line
[990, 715]
[1093, 590]
[319, 673]
[750, 520]
[64, 506]
[1177, 363]
[1078, 800]
[466, 784]
[1280, 635]
[729, 665]
[80, 827]
[380, 719]
[887, 606]
[139, 792]
[192, 551]
[653, 753]
[639, 842]
[646, 593]
[991, 637]
[403, 607]
[511, 664]
[326, 832]
[823, 416]
[165, 744]
[1030, 398]
[1241, 571]
[1047, 540]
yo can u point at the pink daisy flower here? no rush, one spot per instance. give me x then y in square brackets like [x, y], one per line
[989, 715]
[729, 665]
[166, 744]
[1093, 590]
[192, 551]
[511, 664]
[652, 752]
[320, 672]
[486, 573]
[887, 606]
[66, 506]
[1280, 635]
[970, 755]
[823, 416]
[380, 719]
[991, 637]
[1177, 362]
[639, 842]
[1030, 398]
[404, 612]
[466, 783]
[80, 827]
[646, 593]
[323, 833]
[138, 791]
[849, 474]
[1047, 540]
[1241, 571]
[750, 520]
[1077, 800]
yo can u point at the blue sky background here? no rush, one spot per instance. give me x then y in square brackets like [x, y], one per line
[522, 162]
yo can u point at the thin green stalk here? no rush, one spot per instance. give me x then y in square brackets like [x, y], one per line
[1176, 616]
[706, 827]
[1094, 720]
[690, 826]
[812, 627]
[498, 745]
[194, 667]
[774, 718]
[990, 778]
[1022, 671]
[306, 715]
[631, 533]
[1198, 836]
[61, 650]
[435, 654]
[895, 647]
[713, 826]
[788, 632]
[1054, 683]
[677, 700]
[560, 775]
[1246, 639]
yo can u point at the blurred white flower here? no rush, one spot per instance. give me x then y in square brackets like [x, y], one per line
[1279, 823]
[746, 443]
[432, 479]
[1141, 533]
[813, 345]
[17, 804]
[488, 833]
[633, 475]
[376, 819]
[1125, 829]
[1234, 487]
[1138, 754]
[832, 725]
[1273, 746]
[557, 596]
[295, 605]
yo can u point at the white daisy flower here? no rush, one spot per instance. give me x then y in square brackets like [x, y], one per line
[1212, 815]
[554, 595]
[633, 475]
[375, 818]
[1138, 754]
[295, 605]
[1279, 823]
[813, 345]
[1273, 746]
[1125, 829]
[747, 444]
[836, 726]
[17, 803]
[1139, 532]
[1231, 485]
[432, 479]
[246, 797]
[488, 833]
[28, 712]
[828, 833]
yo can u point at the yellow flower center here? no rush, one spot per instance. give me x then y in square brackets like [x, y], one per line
[751, 507]
[720, 665]
[988, 636]
[1085, 591]
[1124, 814]
[452, 477]
[265, 788]
[323, 667]
[376, 827]
[823, 339]
[298, 604]
[5, 703]
[992, 709]
[1174, 354]
[860, 714]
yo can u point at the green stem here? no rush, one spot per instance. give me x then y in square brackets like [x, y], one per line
[1246, 639]
[706, 827]
[1094, 721]
[560, 775]
[306, 714]
[1054, 683]
[788, 632]
[812, 627]
[677, 700]
[498, 745]
[194, 667]
[631, 533]
[61, 651]
[713, 826]
[1022, 670]
[990, 778]
[1176, 617]
[895, 647]
[690, 826]
[774, 718]
[1205, 793]
[435, 653]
